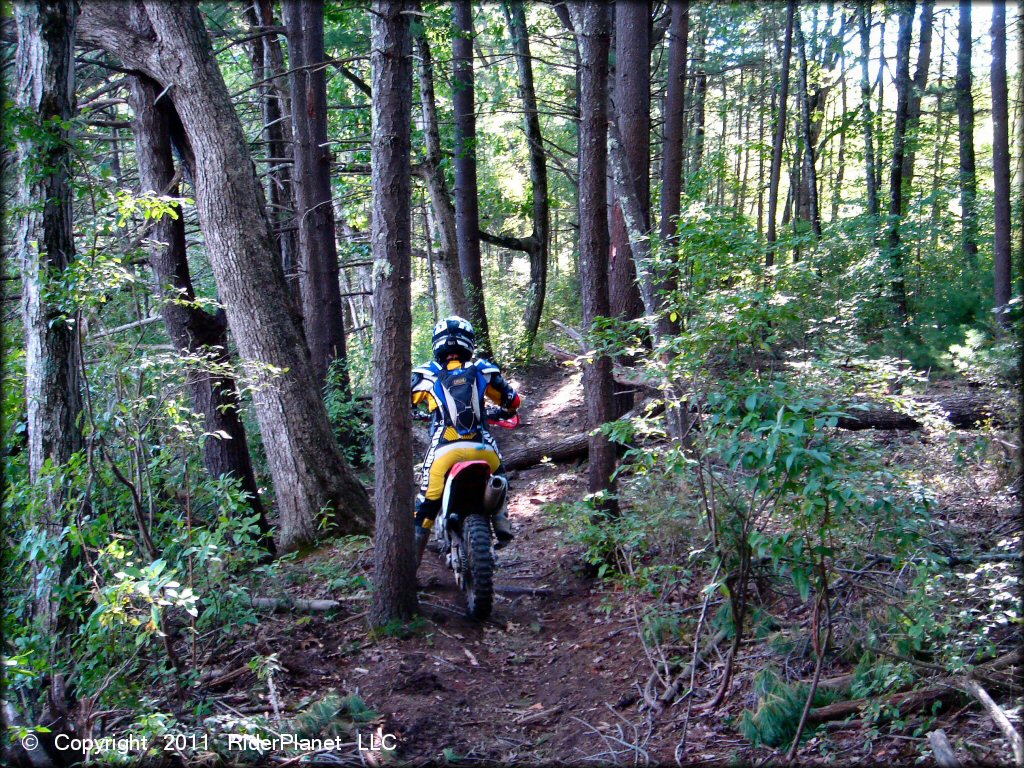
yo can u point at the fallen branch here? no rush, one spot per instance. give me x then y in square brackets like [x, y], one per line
[294, 604]
[942, 749]
[686, 672]
[994, 711]
[539, 717]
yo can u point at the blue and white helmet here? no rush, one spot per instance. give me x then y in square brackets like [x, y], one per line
[453, 336]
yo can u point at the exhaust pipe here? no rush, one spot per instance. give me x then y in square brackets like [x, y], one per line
[494, 493]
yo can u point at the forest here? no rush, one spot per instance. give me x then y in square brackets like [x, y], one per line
[742, 283]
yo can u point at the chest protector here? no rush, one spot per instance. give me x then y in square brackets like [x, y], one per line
[459, 400]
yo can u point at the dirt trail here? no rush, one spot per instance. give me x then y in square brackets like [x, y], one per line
[532, 683]
[553, 676]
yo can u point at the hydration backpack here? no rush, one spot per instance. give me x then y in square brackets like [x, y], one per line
[459, 398]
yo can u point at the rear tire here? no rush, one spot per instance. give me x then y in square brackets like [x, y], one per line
[479, 576]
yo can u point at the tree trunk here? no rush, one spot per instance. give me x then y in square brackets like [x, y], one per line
[940, 141]
[924, 58]
[810, 179]
[965, 120]
[394, 594]
[467, 216]
[169, 43]
[780, 135]
[869, 119]
[44, 88]
[632, 214]
[837, 191]
[437, 186]
[899, 135]
[1001, 248]
[672, 149]
[590, 20]
[322, 316]
[633, 107]
[883, 66]
[515, 15]
[268, 64]
[193, 330]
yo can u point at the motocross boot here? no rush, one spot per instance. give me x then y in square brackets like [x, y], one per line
[422, 536]
[502, 528]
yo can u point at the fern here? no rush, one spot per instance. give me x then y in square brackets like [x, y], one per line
[332, 716]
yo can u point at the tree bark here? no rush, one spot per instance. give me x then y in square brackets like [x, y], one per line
[965, 120]
[394, 595]
[193, 330]
[322, 315]
[920, 82]
[437, 185]
[810, 179]
[780, 135]
[1001, 247]
[899, 136]
[837, 190]
[169, 43]
[467, 214]
[633, 106]
[268, 65]
[590, 20]
[674, 138]
[537, 243]
[45, 93]
[632, 215]
[869, 119]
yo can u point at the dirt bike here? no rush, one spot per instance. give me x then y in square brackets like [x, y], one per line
[472, 496]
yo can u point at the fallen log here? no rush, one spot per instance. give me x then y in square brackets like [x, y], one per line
[293, 604]
[999, 718]
[964, 410]
[945, 757]
[907, 701]
[904, 702]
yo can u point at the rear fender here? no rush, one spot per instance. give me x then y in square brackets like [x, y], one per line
[464, 490]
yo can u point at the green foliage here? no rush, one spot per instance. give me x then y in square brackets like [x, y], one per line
[774, 721]
[332, 716]
[349, 411]
[401, 630]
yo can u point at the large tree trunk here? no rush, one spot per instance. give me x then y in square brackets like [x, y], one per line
[268, 65]
[437, 186]
[1001, 248]
[322, 316]
[633, 107]
[920, 82]
[169, 43]
[965, 120]
[632, 214]
[780, 135]
[537, 243]
[590, 20]
[394, 594]
[467, 215]
[193, 330]
[869, 119]
[899, 135]
[44, 89]
[810, 178]
[672, 147]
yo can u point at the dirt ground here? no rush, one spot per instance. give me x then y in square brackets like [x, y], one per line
[553, 677]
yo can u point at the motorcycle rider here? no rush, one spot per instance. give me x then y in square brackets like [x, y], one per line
[454, 386]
